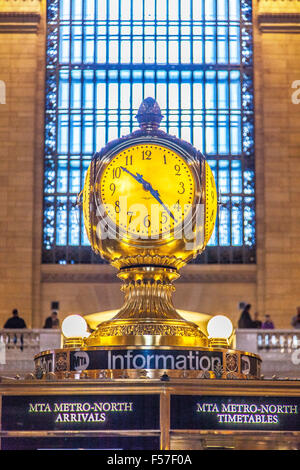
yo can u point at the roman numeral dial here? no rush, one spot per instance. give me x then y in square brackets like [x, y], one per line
[147, 190]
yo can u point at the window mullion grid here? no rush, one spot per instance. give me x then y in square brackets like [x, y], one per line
[55, 156]
[242, 136]
[143, 36]
[230, 124]
[106, 72]
[217, 121]
[167, 61]
[120, 109]
[69, 131]
[179, 85]
[83, 112]
[155, 33]
[192, 74]
[131, 52]
[131, 79]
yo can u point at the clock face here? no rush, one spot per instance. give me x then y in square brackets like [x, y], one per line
[147, 190]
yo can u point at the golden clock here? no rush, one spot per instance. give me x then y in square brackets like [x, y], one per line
[149, 206]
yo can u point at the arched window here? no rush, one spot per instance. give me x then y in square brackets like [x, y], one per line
[195, 58]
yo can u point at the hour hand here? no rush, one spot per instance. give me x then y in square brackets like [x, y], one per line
[139, 178]
[131, 174]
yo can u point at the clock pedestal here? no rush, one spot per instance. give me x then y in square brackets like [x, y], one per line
[148, 316]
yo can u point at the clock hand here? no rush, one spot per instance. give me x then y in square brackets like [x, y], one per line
[136, 177]
[148, 187]
[139, 178]
[155, 194]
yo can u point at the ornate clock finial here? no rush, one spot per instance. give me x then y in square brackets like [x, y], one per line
[149, 114]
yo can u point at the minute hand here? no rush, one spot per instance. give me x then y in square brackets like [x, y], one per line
[155, 194]
[148, 187]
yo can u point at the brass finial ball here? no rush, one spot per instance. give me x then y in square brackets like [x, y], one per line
[149, 113]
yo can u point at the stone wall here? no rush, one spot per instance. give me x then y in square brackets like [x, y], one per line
[19, 53]
[272, 286]
[277, 50]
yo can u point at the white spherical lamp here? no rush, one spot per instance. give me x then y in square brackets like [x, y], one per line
[219, 329]
[74, 329]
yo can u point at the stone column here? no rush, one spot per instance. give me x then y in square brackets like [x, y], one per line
[20, 49]
[277, 70]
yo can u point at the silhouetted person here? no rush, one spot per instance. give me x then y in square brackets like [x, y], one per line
[245, 320]
[268, 324]
[52, 321]
[296, 320]
[256, 322]
[15, 321]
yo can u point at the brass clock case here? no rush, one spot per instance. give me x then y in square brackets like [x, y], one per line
[149, 266]
[118, 246]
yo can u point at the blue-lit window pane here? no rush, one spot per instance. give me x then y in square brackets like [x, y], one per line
[61, 221]
[223, 140]
[49, 217]
[223, 90]
[74, 227]
[105, 57]
[62, 176]
[64, 90]
[63, 134]
[76, 44]
[224, 176]
[64, 44]
[249, 221]
[234, 44]
[64, 9]
[77, 9]
[222, 8]
[75, 133]
[237, 221]
[234, 10]
[235, 90]
[225, 222]
[236, 177]
[74, 176]
[235, 134]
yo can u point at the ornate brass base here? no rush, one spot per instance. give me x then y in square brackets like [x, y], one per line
[148, 316]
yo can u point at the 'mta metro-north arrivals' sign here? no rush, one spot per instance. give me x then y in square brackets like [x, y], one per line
[232, 413]
[82, 412]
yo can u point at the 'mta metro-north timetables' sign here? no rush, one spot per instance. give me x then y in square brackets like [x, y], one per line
[233, 413]
[82, 412]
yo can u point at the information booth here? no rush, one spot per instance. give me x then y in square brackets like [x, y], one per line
[177, 414]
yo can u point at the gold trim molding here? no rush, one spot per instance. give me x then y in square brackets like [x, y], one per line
[20, 16]
[20, 5]
[105, 274]
[279, 16]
